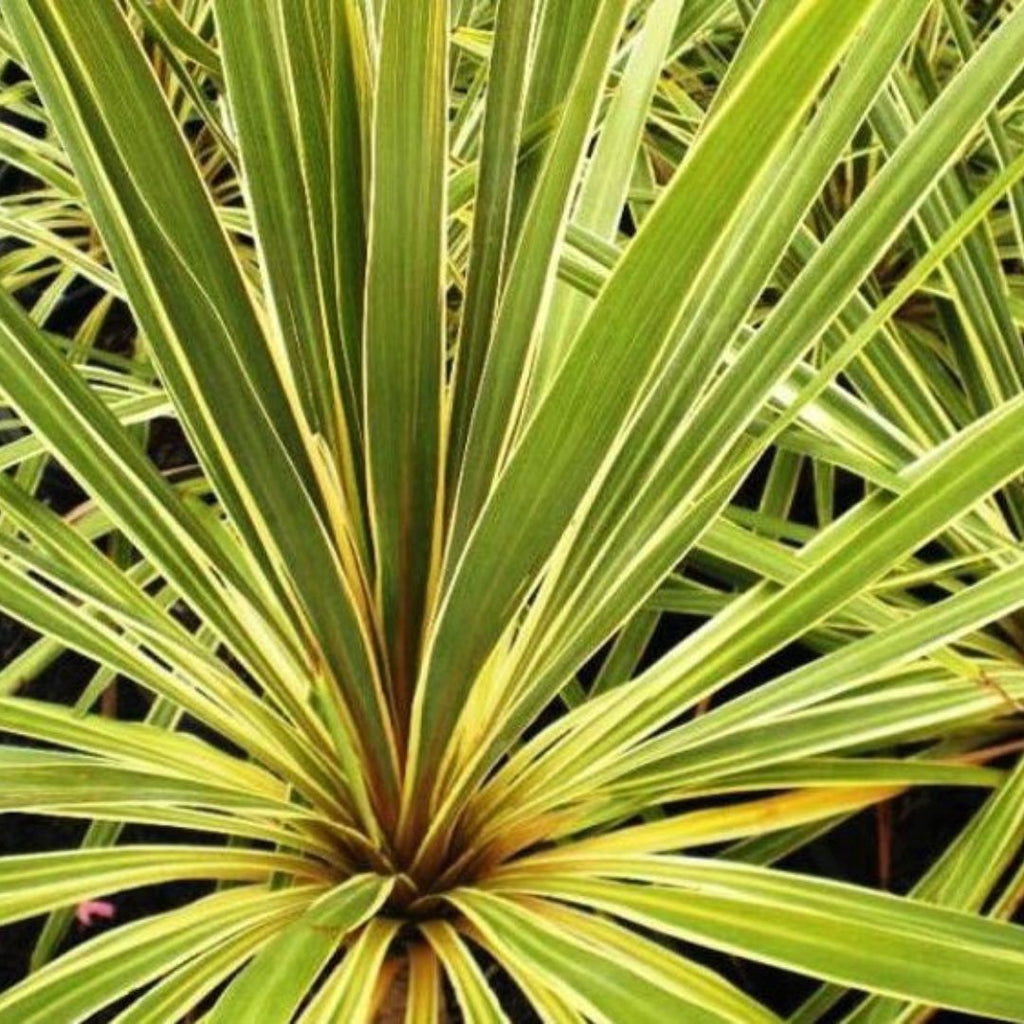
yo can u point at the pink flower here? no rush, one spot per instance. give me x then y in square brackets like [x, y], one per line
[88, 910]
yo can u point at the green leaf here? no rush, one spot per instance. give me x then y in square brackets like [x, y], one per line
[689, 453]
[105, 969]
[831, 930]
[135, 744]
[182, 989]
[966, 873]
[36, 882]
[274, 984]
[68, 417]
[492, 211]
[405, 323]
[475, 996]
[603, 971]
[348, 992]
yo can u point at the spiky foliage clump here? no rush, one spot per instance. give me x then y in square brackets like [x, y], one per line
[500, 332]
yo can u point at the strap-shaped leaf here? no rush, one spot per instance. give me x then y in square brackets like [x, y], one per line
[67, 416]
[184, 988]
[424, 999]
[350, 991]
[867, 940]
[36, 778]
[857, 662]
[900, 712]
[33, 883]
[404, 339]
[135, 744]
[275, 983]
[718, 824]
[93, 975]
[78, 567]
[563, 28]
[476, 998]
[492, 211]
[603, 971]
[630, 535]
[36, 604]
[146, 195]
[680, 443]
[966, 873]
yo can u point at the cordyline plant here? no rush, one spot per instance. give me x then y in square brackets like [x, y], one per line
[498, 331]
